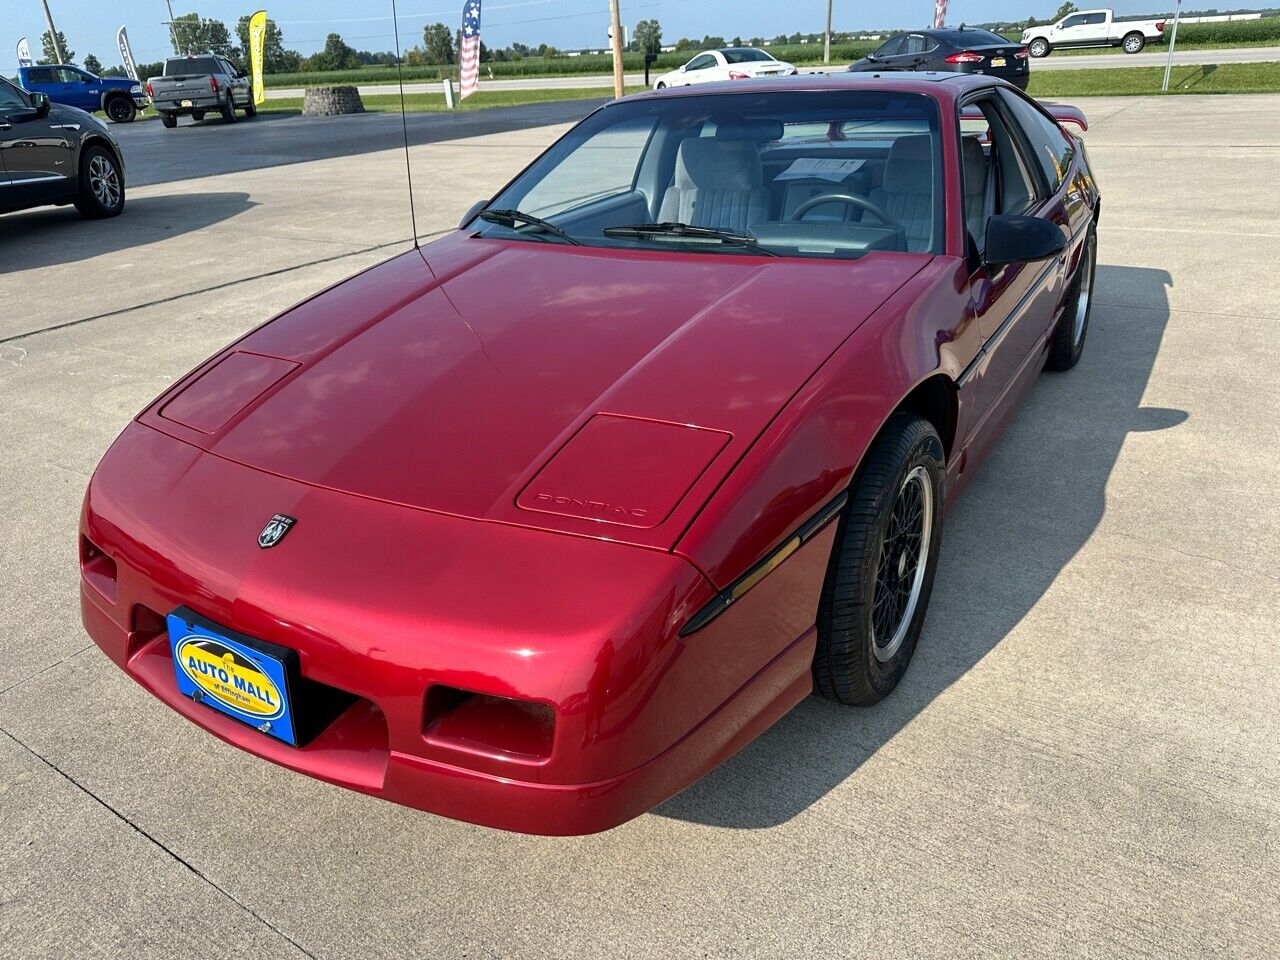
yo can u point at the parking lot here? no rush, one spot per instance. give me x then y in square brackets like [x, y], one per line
[1084, 759]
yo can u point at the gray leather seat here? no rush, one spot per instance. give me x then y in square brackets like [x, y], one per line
[907, 193]
[719, 181]
[979, 192]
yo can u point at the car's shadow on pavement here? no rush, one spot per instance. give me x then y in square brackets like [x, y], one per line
[52, 235]
[1032, 506]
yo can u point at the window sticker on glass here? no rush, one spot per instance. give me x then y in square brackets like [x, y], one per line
[819, 168]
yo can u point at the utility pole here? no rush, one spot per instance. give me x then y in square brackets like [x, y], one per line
[617, 47]
[826, 44]
[53, 32]
[1168, 63]
[173, 29]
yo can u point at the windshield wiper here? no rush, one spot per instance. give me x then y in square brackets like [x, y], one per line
[671, 229]
[509, 218]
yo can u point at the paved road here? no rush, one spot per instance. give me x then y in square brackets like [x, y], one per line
[156, 155]
[1082, 761]
[1075, 62]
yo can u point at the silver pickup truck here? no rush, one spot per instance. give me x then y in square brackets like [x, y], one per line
[196, 85]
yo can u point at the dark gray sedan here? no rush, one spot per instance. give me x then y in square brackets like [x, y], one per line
[966, 50]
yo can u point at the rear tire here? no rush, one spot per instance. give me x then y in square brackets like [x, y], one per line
[100, 192]
[1039, 47]
[170, 120]
[1133, 43]
[1066, 344]
[660, 86]
[121, 110]
[229, 110]
[882, 565]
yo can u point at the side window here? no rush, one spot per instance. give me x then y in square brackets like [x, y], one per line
[891, 48]
[40, 75]
[993, 174]
[1052, 147]
[916, 44]
[1072, 22]
[11, 99]
[66, 75]
[702, 62]
[1095, 18]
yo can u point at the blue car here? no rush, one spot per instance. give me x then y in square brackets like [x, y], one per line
[118, 97]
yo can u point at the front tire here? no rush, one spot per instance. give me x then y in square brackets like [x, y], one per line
[1066, 344]
[1133, 43]
[250, 108]
[1039, 47]
[100, 192]
[882, 566]
[121, 110]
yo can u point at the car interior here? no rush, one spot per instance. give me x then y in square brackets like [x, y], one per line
[863, 175]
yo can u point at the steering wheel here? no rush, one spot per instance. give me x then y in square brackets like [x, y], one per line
[849, 198]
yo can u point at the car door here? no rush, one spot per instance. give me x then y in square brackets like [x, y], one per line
[37, 150]
[916, 50]
[909, 47]
[1015, 304]
[76, 89]
[1072, 29]
[701, 69]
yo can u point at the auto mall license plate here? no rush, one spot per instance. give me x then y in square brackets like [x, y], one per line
[244, 678]
[185, 103]
[997, 61]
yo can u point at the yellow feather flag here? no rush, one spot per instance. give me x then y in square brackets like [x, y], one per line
[257, 34]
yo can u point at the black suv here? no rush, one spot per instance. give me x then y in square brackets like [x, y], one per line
[54, 154]
[966, 50]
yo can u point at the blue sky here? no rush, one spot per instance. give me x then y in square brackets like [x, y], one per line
[90, 25]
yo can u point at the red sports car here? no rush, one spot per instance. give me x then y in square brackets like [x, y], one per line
[537, 524]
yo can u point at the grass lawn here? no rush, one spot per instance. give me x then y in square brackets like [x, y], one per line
[1107, 81]
[1130, 81]
[434, 102]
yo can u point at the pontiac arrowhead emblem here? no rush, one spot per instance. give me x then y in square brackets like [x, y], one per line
[275, 530]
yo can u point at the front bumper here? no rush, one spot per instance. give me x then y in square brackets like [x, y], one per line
[393, 605]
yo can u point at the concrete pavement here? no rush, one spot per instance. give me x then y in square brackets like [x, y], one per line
[1081, 762]
[1155, 56]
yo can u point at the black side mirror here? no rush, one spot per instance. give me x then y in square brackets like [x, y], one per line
[471, 213]
[40, 104]
[1013, 239]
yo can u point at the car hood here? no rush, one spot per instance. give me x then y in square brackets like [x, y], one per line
[590, 391]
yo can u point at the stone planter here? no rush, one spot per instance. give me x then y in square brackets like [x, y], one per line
[331, 101]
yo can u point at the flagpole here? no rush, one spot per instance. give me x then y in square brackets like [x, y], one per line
[617, 48]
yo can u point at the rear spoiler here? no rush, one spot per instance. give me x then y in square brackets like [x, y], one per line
[1065, 114]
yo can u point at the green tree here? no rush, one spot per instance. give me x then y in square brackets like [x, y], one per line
[1063, 10]
[336, 55]
[93, 64]
[684, 43]
[51, 52]
[273, 58]
[647, 37]
[437, 41]
[709, 41]
[195, 34]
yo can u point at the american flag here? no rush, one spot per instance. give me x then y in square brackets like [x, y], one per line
[469, 52]
[939, 14]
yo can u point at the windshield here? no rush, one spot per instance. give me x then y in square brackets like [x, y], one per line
[809, 174]
[747, 55]
[189, 65]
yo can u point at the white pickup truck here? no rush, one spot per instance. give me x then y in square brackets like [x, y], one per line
[1092, 28]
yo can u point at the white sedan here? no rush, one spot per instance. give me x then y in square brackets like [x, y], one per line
[729, 63]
